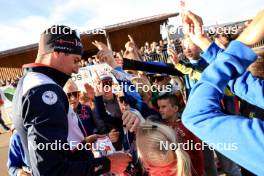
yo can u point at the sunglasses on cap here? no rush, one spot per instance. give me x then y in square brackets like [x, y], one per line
[107, 83]
[74, 94]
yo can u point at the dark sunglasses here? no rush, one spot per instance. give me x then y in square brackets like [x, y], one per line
[107, 83]
[74, 94]
[157, 78]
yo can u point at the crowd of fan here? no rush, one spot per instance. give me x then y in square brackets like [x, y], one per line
[149, 52]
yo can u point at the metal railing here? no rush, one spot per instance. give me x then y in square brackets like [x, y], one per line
[154, 57]
[259, 44]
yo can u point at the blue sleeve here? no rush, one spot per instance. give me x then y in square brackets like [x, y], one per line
[15, 155]
[211, 53]
[160, 64]
[132, 96]
[239, 86]
[204, 118]
[248, 88]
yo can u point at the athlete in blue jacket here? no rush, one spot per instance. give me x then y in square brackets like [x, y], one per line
[47, 125]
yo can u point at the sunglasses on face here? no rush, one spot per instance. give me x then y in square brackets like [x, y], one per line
[73, 94]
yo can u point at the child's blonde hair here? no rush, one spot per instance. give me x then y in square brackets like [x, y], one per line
[149, 137]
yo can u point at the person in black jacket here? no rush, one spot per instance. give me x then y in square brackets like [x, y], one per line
[48, 127]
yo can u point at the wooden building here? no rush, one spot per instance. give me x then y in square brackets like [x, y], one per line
[142, 30]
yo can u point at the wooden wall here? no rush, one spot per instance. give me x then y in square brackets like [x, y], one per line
[10, 65]
[148, 32]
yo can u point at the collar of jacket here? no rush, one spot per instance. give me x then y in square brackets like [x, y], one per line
[57, 76]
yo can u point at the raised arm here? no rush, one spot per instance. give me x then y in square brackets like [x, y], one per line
[239, 86]
[133, 97]
[204, 118]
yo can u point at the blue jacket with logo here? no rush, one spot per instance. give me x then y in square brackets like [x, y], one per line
[49, 128]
